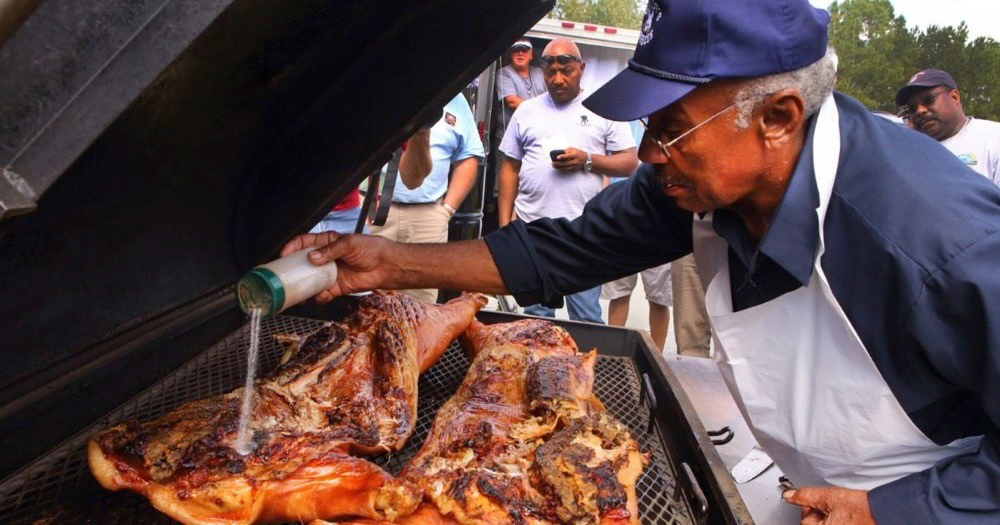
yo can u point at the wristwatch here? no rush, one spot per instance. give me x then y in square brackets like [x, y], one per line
[589, 163]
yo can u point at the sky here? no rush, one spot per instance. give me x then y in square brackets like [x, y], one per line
[982, 17]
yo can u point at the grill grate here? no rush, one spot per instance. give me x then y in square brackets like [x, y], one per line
[58, 487]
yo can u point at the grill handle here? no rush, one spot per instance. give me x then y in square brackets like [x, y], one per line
[724, 431]
[649, 394]
[696, 496]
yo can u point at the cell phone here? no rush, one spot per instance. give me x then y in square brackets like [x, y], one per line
[555, 153]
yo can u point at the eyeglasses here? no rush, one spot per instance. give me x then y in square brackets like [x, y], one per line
[926, 101]
[682, 135]
[562, 60]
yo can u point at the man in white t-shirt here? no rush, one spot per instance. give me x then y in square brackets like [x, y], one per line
[933, 106]
[557, 156]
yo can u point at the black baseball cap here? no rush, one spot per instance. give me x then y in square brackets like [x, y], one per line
[686, 43]
[922, 80]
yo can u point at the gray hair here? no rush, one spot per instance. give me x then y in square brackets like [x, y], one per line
[814, 81]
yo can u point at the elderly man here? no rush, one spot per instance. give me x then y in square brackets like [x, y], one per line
[849, 269]
[519, 80]
[557, 156]
[932, 105]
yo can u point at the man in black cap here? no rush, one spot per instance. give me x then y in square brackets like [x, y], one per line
[849, 264]
[932, 105]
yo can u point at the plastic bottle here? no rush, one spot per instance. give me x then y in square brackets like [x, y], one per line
[284, 282]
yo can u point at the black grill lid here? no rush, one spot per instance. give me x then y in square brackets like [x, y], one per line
[172, 144]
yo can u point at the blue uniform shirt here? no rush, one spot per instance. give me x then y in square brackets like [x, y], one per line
[913, 258]
[453, 138]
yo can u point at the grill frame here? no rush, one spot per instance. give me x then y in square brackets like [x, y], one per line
[59, 486]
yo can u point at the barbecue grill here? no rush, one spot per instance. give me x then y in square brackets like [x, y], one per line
[154, 150]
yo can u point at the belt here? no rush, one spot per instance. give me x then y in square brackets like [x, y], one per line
[394, 203]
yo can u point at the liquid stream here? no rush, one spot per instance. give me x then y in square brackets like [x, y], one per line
[244, 434]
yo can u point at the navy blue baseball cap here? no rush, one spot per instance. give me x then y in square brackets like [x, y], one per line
[922, 80]
[686, 43]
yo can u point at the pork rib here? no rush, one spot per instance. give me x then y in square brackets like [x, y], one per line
[347, 388]
[524, 440]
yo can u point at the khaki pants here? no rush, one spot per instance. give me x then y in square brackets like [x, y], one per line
[691, 326]
[413, 223]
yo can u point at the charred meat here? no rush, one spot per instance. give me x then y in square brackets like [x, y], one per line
[344, 390]
[524, 440]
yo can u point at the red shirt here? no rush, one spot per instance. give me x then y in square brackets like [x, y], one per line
[352, 200]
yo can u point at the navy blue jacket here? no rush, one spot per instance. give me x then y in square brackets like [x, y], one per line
[913, 258]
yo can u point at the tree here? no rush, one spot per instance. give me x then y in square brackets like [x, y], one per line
[614, 13]
[878, 54]
[875, 49]
[975, 66]
[979, 83]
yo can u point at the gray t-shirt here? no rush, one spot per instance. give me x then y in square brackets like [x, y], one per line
[509, 82]
[540, 125]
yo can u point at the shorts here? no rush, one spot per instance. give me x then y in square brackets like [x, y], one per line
[656, 281]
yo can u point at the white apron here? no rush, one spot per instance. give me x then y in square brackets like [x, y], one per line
[809, 390]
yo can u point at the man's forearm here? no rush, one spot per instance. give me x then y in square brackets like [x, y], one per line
[618, 164]
[415, 163]
[512, 101]
[462, 265]
[463, 177]
[506, 190]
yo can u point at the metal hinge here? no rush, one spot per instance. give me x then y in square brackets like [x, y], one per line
[16, 195]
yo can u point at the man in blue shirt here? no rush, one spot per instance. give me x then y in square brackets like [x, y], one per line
[422, 214]
[849, 264]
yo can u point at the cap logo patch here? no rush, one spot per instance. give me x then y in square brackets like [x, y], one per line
[652, 16]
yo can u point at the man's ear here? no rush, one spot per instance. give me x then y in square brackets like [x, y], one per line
[955, 95]
[782, 117]
[583, 65]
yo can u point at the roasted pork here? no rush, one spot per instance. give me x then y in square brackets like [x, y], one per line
[524, 440]
[346, 389]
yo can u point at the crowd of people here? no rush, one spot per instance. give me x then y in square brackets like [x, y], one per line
[844, 265]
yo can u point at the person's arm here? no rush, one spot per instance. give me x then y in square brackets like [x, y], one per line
[507, 91]
[628, 227]
[463, 176]
[507, 189]
[625, 228]
[465, 158]
[953, 327]
[512, 101]
[368, 262]
[415, 163]
[618, 164]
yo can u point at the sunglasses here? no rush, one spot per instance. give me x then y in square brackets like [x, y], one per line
[926, 101]
[562, 60]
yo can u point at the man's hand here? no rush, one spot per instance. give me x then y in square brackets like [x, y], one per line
[571, 159]
[364, 262]
[831, 505]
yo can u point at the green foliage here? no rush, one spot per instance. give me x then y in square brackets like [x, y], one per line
[878, 54]
[613, 13]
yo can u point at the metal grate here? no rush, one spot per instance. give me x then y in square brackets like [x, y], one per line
[58, 487]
